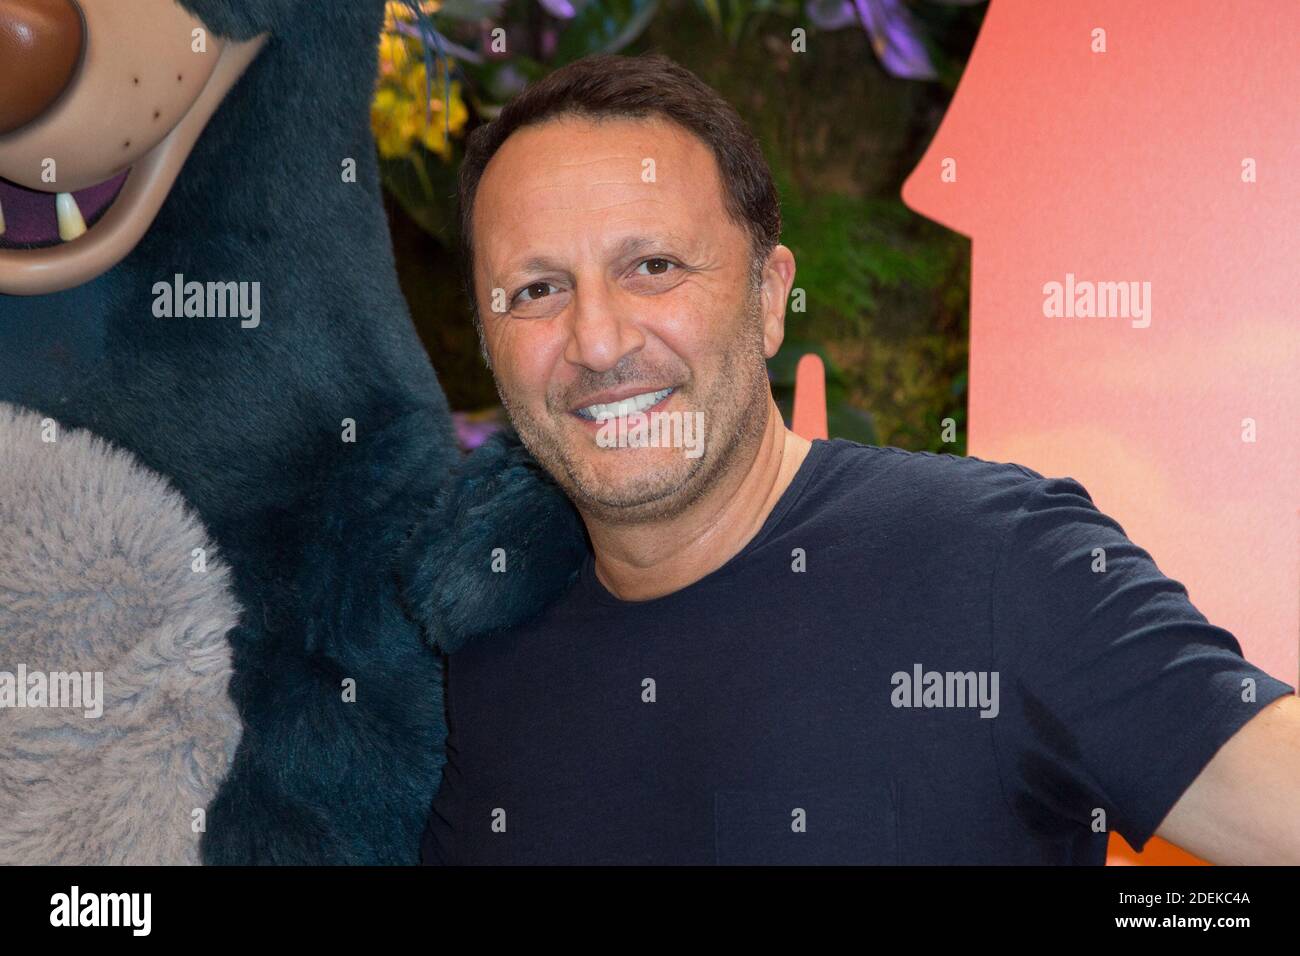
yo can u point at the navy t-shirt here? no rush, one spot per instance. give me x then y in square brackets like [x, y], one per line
[919, 658]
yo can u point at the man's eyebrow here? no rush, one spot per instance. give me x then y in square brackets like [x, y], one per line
[539, 264]
[632, 245]
[623, 249]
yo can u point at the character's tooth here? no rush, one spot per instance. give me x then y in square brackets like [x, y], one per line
[2, 220]
[71, 223]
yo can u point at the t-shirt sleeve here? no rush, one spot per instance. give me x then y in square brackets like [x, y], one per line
[1116, 690]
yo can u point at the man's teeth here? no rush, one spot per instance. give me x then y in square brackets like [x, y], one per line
[2, 220]
[624, 407]
[71, 223]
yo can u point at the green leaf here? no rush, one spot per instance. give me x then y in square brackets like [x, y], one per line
[470, 9]
[781, 367]
[425, 186]
[847, 421]
[604, 26]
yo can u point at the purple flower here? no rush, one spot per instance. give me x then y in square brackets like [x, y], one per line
[549, 42]
[831, 14]
[474, 428]
[894, 34]
[559, 8]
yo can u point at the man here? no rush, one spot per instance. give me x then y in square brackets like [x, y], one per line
[783, 651]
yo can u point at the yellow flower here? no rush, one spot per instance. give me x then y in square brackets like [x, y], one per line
[386, 121]
[393, 54]
[399, 115]
[449, 113]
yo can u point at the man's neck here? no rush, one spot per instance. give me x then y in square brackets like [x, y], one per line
[641, 562]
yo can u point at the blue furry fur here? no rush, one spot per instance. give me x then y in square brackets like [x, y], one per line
[453, 586]
[348, 558]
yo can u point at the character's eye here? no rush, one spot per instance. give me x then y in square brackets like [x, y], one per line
[656, 266]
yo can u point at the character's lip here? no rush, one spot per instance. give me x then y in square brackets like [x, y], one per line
[123, 216]
[29, 218]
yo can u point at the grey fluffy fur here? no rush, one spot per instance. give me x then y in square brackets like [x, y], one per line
[95, 575]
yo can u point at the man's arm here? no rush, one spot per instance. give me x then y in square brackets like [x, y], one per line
[1244, 808]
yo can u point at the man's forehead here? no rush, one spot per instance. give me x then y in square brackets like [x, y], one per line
[612, 169]
[573, 145]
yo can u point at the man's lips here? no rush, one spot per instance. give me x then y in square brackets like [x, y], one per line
[615, 395]
[30, 218]
[610, 395]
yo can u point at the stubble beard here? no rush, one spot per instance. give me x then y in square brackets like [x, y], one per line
[732, 434]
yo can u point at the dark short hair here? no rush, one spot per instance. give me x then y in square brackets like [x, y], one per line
[651, 85]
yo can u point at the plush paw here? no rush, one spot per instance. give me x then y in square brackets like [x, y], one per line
[500, 544]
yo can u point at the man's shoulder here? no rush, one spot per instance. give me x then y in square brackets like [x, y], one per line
[961, 491]
[941, 466]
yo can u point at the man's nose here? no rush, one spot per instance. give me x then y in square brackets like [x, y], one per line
[40, 46]
[601, 333]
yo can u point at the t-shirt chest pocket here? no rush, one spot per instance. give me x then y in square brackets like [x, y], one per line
[807, 827]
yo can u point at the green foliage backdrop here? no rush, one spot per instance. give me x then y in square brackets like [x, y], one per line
[886, 291]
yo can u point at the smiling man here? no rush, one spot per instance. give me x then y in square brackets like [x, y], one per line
[782, 651]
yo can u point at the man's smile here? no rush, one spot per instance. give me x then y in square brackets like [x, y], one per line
[620, 403]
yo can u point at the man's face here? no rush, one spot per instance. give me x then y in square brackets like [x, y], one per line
[623, 279]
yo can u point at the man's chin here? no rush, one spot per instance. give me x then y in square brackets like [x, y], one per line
[629, 484]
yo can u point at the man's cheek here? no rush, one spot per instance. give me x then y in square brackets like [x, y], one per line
[694, 330]
[523, 374]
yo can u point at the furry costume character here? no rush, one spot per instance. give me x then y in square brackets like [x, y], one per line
[97, 578]
[316, 447]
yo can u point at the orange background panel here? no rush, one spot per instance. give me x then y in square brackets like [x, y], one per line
[1127, 166]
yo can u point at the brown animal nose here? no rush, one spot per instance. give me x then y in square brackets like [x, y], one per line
[40, 47]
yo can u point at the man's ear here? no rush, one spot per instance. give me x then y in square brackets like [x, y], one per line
[497, 547]
[777, 281]
[245, 19]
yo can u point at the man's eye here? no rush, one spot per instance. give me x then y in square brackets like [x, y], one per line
[655, 267]
[531, 293]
